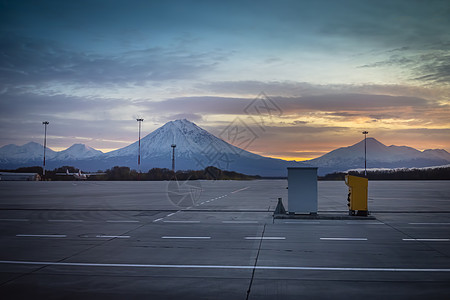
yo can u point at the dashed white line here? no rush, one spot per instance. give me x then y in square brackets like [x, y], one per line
[265, 238]
[187, 221]
[364, 223]
[240, 222]
[342, 239]
[169, 215]
[300, 268]
[300, 222]
[157, 220]
[240, 190]
[428, 240]
[113, 236]
[429, 223]
[186, 237]
[42, 235]
[66, 221]
[122, 221]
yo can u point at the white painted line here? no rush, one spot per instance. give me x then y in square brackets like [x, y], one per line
[240, 222]
[343, 239]
[428, 240]
[158, 220]
[300, 222]
[429, 223]
[186, 237]
[265, 238]
[122, 221]
[181, 221]
[66, 221]
[42, 235]
[15, 220]
[364, 223]
[113, 236]
[299, 268]
[169, 215]
[243, 189]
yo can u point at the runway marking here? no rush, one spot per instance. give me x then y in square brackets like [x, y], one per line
[158, 220]
[66, 221]
[122, 221]
[298, 268]
[265, 238]
[240, 190]
[364, 223]
[429, 223]
[169, 215]
[428, 240]
[181, 221]
[186, 237]
[42, 235]
[240, 222]
[300, 222]
[15, 220]
[343, 239]
[113, 236]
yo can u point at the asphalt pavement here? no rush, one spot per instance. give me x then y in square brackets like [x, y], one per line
[218, 240]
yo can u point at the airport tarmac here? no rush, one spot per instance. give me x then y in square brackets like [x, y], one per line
[218, 240]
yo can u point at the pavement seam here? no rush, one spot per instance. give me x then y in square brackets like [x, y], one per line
[256, 263]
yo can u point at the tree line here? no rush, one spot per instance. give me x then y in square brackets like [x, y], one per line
[125, 173]
[213, 173]
[396, 174]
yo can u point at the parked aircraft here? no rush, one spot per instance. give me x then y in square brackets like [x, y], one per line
[79, 175]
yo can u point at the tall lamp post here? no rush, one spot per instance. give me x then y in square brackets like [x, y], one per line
[45, 123]
[173, 157]
[365, 152]
[139, 150]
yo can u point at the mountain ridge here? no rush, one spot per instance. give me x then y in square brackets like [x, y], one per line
[196, 149]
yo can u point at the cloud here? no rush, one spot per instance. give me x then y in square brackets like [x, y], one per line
[336, 103]
[400, 23]
[189, 116]
[251, 88]
[431, 67]
[434, 68]
[27, 61]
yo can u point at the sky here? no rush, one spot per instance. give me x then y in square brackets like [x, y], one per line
[327, 70]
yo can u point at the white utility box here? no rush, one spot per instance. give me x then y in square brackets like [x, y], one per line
[302, 190]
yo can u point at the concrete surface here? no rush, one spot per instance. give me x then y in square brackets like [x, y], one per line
[115, 240]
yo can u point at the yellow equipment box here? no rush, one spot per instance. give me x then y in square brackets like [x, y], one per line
[357, 195]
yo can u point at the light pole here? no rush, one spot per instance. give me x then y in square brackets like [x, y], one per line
[139, 150]
[173, 157]
[365, 152]
[45, 123]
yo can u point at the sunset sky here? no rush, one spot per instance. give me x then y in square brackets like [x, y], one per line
[333, 68]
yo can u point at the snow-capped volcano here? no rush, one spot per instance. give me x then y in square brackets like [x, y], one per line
[195, 149]
[77, 151]
[190, 140]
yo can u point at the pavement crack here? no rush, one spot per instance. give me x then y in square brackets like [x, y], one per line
[256, 263]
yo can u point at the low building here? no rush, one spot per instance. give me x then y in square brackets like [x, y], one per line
[7, 176]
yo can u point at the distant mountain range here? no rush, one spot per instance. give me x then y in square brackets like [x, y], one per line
[379, 156]
[196, 149]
